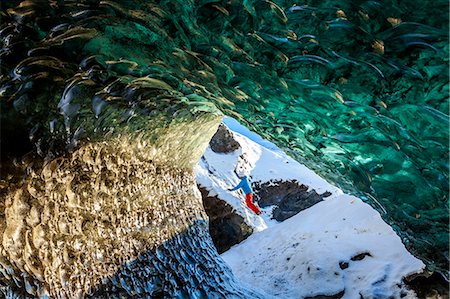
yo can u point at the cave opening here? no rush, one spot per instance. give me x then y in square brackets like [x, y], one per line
[229, 220]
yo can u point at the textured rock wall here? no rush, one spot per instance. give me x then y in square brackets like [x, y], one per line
[77, 219]
[107, 177]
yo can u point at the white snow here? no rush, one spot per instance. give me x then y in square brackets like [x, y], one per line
[300, 257]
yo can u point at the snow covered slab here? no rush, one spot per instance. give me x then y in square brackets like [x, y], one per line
[336, 245]
[263, 161]
[340, 245]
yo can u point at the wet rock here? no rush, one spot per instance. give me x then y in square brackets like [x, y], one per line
[289, 197]
[225, 226]
[103, 205]
[223, 141]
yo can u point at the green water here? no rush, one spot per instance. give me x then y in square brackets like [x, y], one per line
[356, 90]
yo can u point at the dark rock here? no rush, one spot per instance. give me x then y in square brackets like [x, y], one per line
[427, 285]
[335, 296]
[326, 194]
[223, 141]
[290, 197]
[225, 226]
[360, 256]
[343, 265]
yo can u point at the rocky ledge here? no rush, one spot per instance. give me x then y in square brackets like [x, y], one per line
[288, 197]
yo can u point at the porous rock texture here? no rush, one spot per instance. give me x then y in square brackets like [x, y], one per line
[77, 219]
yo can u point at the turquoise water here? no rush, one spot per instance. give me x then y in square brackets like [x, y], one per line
[356, 90]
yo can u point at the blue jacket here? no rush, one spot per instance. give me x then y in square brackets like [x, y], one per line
[245, 185]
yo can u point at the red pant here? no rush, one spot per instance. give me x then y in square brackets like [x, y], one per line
[250, 204]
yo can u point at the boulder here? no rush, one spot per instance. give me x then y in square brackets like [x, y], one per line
[223, 142]
[289, 197]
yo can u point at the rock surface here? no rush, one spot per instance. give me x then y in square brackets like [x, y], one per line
[75, 220]
[223, 141]
[335, 296]
[226, 227]
[430, 286]
[289, 197]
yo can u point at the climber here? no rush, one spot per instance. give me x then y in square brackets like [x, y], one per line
[245, 185]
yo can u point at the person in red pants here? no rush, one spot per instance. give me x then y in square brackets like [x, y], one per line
[245, 186]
